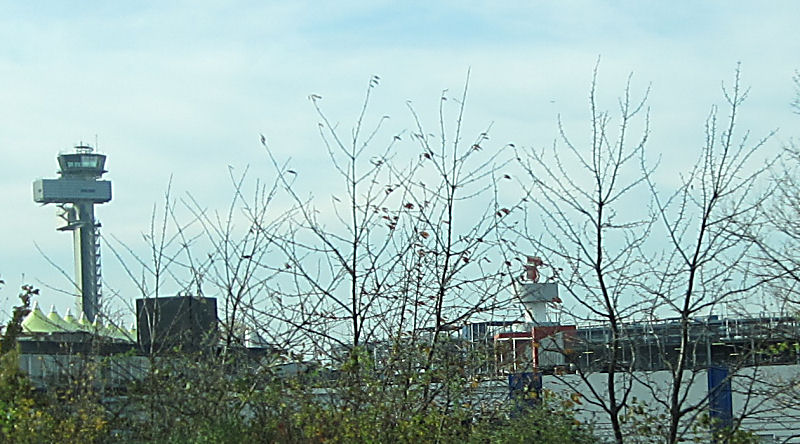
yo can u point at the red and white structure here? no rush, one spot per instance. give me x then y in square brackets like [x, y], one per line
[543, 343]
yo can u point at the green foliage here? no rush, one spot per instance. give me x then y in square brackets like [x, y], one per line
[550, 422]
[212, 399]
[188, 398]
[65, 415]
[644, 424]
[412, 394]
[27, 416]
[706, 426]
[14, 327]
[19, 411]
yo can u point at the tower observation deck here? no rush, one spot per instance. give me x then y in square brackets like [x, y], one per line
[76, 192]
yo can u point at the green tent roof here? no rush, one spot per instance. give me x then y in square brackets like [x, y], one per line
[70, 322]
[37, 322]
[56, 319]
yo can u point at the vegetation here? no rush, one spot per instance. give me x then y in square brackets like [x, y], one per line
[353, 404]
[195, 399]
[66, 414]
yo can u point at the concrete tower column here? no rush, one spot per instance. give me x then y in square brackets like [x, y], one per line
[86, 259]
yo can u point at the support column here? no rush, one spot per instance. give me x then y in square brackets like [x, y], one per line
[86, 259]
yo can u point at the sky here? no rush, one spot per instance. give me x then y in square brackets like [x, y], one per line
[179, 92]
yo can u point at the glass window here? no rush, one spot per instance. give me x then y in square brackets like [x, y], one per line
[88, 161]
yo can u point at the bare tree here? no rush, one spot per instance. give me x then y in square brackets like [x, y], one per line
[577, 226]
[779, 237]
[775, 239]
[708, 262]
[196, 251]
[394, 256]
[633, 251]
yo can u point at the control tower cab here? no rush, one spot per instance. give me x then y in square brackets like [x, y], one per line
[79, 173]
[76, 192]
[82, 163]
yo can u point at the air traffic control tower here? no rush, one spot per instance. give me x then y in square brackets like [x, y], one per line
[76, 192]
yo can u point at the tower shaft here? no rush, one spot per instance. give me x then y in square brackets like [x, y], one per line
[87, 258]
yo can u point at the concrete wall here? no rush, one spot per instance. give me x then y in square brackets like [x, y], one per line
[766, 399]
[49, 369]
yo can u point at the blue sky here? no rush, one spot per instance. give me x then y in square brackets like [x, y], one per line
[183, 89]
